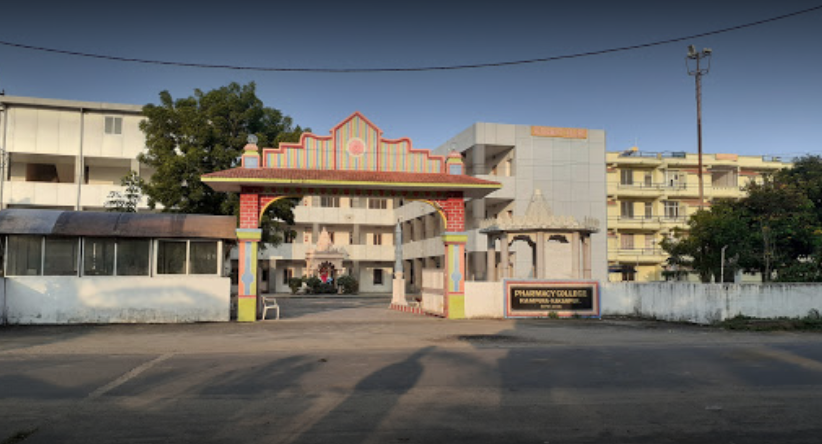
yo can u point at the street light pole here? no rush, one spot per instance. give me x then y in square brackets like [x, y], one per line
[722, 265]
[698, 72]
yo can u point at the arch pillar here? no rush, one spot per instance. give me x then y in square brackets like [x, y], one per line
[248, 238]
[454, 239]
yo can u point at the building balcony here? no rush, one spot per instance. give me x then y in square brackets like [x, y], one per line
[353, 252]
[650, 223]
[637, 255]
[637, 190]
[344, 216]
[674, 221]
[49, 194]
[681, 190]
[716, 192]
[637, 158]
[424, 248]
[508, 190]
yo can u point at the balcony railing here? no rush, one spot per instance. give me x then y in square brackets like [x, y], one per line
[640, 251]
[649, 219]
[655, 186]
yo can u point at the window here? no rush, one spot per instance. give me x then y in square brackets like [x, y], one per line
[203, 258]
[377, 238]
[726, 178]
[114, 125]
[649, 180]
[627, 241]
[133, 257]
[627, 209]
[187, 257]
[649, 210]
[331, 236]
[330, 202]
[171, 257]
[377, 204]
[120, 257]
[378, 276]
[672, 210]
[626, 177]
[98, 256]
[25, 256]
[60, 256]
[288, 273]
[675, 179]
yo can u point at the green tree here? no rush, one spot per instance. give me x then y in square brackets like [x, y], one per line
[775, 231]
[805, 175]
[126, 201]
[203, 133]
[783, 226]
[699, 249]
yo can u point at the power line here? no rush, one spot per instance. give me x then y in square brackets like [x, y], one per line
[417, 69]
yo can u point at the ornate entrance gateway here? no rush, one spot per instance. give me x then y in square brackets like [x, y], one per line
[355, 160]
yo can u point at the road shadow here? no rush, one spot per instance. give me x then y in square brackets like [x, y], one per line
[388, 384]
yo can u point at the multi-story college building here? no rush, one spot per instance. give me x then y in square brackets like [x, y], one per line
[70, 155]
[650, 193]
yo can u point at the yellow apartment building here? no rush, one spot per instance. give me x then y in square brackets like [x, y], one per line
[650, 193]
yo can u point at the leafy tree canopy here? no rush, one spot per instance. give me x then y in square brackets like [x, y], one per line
[203, 133]
[775, 230]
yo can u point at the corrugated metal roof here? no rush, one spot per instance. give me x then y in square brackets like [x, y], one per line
[99, 224]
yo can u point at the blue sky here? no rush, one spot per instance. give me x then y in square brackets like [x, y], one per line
[762, 96]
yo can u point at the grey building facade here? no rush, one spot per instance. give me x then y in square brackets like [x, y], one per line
[566, 164]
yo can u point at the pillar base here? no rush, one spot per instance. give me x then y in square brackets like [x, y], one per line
[456, 306]
[247, 309]
[398, 295]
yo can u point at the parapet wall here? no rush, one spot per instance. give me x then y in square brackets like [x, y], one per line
[678, 302]
[707, 303]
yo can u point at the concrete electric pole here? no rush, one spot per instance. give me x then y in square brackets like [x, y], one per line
[698, 71]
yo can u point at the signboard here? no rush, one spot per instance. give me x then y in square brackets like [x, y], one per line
[528, 298]
[565, 133]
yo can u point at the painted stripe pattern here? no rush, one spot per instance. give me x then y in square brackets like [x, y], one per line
[354, 145]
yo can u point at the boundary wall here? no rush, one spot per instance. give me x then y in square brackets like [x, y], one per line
[676, 301]
[123, 299]
[707, 303]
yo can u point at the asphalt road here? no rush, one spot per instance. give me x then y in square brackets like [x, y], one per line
[348, 370]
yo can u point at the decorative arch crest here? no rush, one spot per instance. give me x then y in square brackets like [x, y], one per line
[355, 144]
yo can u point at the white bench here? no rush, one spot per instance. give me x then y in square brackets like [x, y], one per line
[270, 303]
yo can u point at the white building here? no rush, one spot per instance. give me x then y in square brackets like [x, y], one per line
[67, 155]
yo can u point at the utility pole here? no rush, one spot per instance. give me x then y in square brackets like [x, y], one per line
[722, 266]
[698, 72]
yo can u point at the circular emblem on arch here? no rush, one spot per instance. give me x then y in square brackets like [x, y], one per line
[355, 146]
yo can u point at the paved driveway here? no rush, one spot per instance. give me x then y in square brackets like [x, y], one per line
[348, 370]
